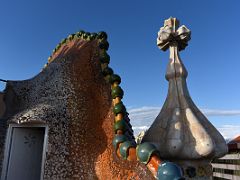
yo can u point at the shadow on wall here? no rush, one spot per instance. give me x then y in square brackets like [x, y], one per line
[2, 104]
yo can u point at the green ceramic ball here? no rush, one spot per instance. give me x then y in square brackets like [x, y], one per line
[115, 78]
[119, 108]
[144, 151]
[117, 92]
[125, 147]
[119, 138]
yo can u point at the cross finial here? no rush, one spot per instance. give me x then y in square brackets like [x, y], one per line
[181, 132]
[170, 33]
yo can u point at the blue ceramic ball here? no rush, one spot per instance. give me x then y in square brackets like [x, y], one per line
[169, 171]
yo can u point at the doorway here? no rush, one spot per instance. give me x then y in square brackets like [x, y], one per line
[24, 153]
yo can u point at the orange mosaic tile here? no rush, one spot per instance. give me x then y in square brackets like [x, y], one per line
[153, 164]
[119, 132]
[118, 117]
[132, 154]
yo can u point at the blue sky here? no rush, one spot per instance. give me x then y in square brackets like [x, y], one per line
[30, 30]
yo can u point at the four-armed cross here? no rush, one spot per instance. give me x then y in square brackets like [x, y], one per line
[171, 34]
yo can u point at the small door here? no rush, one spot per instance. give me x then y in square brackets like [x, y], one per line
[25, 153]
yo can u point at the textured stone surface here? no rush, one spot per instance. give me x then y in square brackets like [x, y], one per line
[71, 96]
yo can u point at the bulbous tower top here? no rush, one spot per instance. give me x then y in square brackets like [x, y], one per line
[181, 132]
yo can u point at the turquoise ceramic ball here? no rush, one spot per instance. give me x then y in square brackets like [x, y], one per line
[169, 171]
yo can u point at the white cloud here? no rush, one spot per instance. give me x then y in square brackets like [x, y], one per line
[216, 112]
[143, 117]
[148, 111]
[142, 128]
[229, 131]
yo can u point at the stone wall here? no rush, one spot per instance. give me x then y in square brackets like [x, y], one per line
[71, 96]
